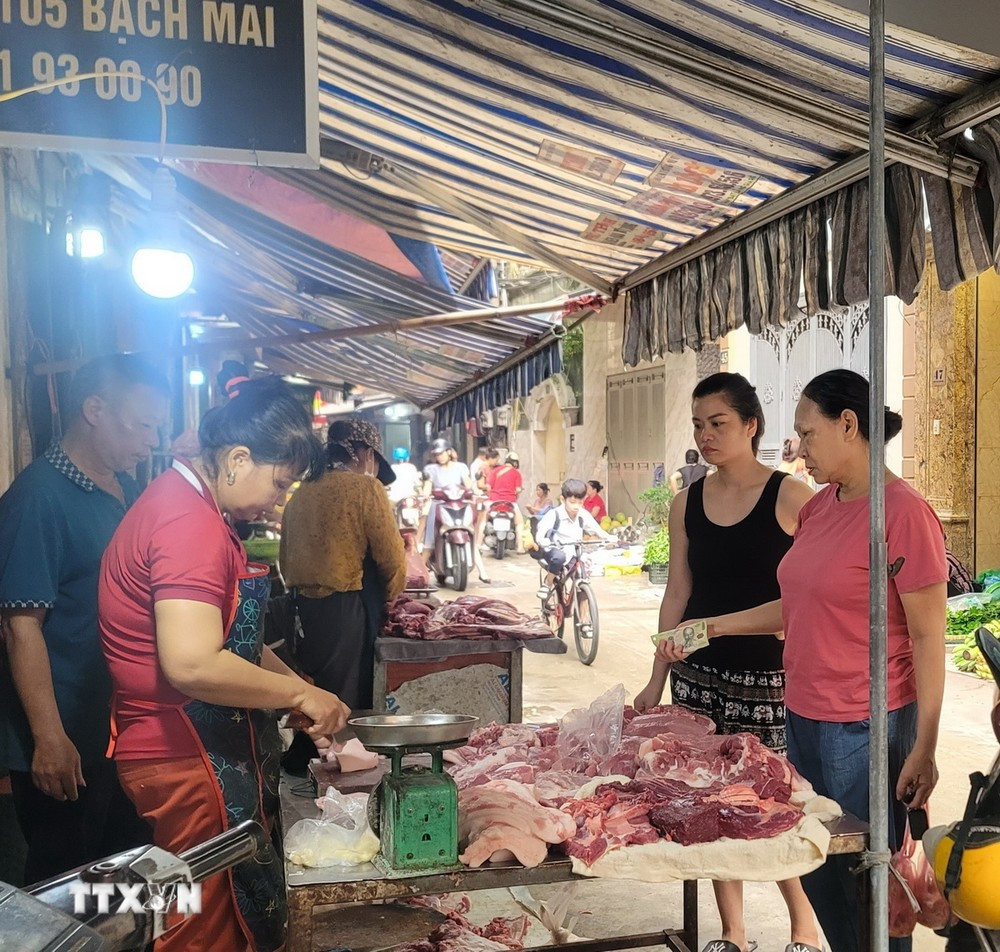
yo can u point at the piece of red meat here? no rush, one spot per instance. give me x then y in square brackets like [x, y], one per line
[616, 815]
[688, 821]
[668, 719]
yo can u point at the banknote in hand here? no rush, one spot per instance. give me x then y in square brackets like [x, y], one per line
[686, 637]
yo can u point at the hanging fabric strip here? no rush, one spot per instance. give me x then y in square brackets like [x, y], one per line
[757, 279]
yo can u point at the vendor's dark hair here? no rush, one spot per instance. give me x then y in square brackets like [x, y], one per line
[268, 419]
[107, 378]
[544, 487]
[491, 452]
[838, 390]
[597, 486]
[576, 488]
[741, 396]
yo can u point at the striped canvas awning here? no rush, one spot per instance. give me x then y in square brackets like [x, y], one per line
[610, 132]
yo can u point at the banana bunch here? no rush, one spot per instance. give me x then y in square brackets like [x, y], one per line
[968, 658]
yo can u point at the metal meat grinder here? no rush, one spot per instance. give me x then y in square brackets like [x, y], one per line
[414, 808]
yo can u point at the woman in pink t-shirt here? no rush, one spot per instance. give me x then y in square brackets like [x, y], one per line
[823, 611]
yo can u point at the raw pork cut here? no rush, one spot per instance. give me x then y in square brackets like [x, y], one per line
[406, 617]
[504, 815]
[473, 616]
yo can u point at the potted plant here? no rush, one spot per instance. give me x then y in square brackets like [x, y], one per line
[656, 557]
[657, 500]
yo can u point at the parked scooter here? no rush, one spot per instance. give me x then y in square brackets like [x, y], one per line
[965, 856]
[499, 530]
[454, 518]
[145, 891]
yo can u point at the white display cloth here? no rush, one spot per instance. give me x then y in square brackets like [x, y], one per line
[788, 855]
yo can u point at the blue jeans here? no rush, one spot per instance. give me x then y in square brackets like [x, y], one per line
[833, 757]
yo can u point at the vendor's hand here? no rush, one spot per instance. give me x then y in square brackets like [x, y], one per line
[328, 713]
[56, 769]
[648, 697]
[917, 779]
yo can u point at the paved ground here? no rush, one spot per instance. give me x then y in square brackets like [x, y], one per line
[555, 684]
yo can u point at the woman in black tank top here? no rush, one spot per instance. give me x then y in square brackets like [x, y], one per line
[728, 532]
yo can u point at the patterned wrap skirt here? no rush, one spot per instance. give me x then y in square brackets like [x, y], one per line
[751, 702]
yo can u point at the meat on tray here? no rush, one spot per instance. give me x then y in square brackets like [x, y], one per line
[616, 815]
[469, 617]
[504, 817]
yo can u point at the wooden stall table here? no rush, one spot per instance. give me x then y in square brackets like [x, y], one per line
[312, 888]
[399, 661]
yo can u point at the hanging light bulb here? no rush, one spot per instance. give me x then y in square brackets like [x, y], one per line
[87, 222]
[160, 267]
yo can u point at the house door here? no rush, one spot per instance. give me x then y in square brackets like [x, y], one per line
[783, 360]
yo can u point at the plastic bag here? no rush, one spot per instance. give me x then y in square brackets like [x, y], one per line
[914, 895]
[340, 837]
[595, 732]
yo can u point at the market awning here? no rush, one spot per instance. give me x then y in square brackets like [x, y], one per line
[286, 288]
[612, 133]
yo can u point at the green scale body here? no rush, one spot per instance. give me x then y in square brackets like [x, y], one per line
[418, 816]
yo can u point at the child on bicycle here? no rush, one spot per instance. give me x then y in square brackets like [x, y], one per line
[561, 529]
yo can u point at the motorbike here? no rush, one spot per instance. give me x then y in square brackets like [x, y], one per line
[965, 855]
[144, 889]
[454, 521]
[408, 520]
[499, 530]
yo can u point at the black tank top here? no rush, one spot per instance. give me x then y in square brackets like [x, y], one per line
[734, 568]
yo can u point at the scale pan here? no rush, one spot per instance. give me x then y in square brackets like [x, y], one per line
[411, 730]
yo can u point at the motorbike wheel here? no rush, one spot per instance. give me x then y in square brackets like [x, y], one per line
[501, 549]
[586, 623]
[460, 570]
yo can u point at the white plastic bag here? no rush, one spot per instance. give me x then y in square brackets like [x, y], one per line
[340, 837]
[595, 732]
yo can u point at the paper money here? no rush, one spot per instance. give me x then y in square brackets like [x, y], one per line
[686, 637]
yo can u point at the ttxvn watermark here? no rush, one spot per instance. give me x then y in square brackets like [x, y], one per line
[122, 898]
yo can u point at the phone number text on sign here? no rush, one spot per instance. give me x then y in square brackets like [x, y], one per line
[99, 72]
[115, 80]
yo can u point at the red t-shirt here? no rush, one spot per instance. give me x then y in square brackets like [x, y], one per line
[504, 482]
[595, 506]
[824, 600]
[173, 543]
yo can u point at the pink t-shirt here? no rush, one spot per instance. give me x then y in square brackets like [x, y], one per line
[173, 543]
[824, 600]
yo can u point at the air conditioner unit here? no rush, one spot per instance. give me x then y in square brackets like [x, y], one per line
[503, 416]
[486, 419]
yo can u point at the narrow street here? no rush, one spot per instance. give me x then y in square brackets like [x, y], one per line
[554, 684]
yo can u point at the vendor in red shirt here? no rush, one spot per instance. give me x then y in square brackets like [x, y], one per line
[181, 613]
[504, 482]
[593, 502]
[823, 611]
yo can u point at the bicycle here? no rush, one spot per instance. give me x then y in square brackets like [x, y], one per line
[571, 594]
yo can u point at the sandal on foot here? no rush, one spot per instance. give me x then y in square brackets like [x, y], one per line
[724, 945]
[801, 947]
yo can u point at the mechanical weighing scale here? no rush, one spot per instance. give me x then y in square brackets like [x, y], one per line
[414, 809]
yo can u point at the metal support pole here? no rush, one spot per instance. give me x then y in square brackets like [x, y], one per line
[878, 802]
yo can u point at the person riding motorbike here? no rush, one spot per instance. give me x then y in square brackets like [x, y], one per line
[445, 471]
[407, 476]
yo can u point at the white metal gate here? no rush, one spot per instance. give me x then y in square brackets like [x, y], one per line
[636, 411]
[783, 361]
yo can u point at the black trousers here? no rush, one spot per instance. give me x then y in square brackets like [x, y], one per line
[334, 649]
[62, 835]
[337, 651]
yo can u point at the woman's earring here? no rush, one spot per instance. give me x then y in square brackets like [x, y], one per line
[231, 478]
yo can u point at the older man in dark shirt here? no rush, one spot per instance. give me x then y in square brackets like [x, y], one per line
[56, 520]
